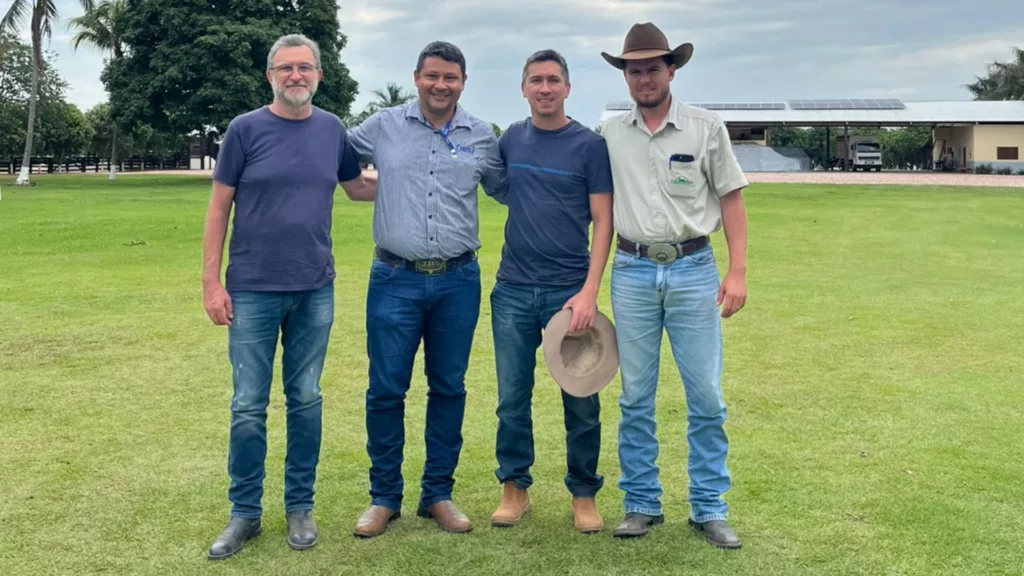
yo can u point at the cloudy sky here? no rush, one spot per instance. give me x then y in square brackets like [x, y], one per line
[745, 50]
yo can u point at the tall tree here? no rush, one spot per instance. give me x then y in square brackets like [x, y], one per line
[392, 95]
[1003, 81]
[193, 65]
[103, 28]
[41, 15]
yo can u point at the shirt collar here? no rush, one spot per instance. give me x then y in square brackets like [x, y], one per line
[460, 119]
[674, 117]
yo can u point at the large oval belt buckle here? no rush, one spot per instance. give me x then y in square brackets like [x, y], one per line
[662, 253]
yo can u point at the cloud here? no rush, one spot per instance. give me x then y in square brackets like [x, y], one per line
[744, 51]
[969, 51]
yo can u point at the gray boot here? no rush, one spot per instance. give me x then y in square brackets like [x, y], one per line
[636, 524]
[233, 538]
[302, 532]
[718, 533]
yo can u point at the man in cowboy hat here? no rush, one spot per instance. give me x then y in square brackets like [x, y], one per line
[559, 182]
[677, 181]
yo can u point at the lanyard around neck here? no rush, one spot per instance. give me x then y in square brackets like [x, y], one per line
[444, 134]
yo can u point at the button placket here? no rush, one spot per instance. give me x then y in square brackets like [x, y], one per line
[432, 198]
[657, 199]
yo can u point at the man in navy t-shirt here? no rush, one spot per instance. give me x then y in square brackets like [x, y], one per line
[559, 181]
[279, 165]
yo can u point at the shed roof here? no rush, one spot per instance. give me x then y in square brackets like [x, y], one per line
[855, 112]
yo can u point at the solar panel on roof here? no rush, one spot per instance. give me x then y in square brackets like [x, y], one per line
[740, 105]
[848, 104]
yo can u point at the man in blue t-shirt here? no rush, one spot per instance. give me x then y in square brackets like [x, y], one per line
[279, 166]
[559, 181]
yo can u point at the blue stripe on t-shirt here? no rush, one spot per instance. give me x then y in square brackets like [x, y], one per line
[540, 169]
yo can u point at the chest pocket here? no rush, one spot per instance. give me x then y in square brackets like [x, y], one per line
[464, 170]
[685, 176]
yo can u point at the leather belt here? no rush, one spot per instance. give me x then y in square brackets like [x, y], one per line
[429, 266]
[663, 252]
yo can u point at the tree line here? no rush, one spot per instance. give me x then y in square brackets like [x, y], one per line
[60, 129]
[180, 68]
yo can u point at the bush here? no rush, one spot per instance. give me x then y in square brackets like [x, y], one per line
[983, 169]
[1005, 171]
[1020, 172]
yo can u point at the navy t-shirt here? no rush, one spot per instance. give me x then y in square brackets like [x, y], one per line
[552, 174]
[285, 173]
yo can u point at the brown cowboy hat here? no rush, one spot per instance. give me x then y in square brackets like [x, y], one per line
[581, 363]
[645, 40]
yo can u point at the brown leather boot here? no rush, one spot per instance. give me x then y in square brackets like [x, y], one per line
[588, 520]
[514, 503]
[375, 521]
[447, 517]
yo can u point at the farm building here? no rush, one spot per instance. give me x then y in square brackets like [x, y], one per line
[965, 134]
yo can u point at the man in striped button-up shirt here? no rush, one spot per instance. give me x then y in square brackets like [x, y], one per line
[430, 157]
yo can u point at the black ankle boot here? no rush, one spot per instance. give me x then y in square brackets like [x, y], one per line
[233, 538]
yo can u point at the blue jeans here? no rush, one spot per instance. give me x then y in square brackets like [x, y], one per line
[403, 307]
[303, 320]
[678, 298]
[518, 316]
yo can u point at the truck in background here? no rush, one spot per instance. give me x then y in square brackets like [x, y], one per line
[861, 152]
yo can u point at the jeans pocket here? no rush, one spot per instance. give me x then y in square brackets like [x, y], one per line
[703, 257]
[381, 272]
[622, 259]
[469, 271]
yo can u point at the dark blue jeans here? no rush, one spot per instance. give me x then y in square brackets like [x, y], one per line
[303, 320]
[404, 307]
[518, 316]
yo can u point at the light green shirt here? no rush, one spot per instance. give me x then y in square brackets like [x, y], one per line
[659, 195]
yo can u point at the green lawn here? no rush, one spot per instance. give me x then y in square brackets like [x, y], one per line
[874, 385]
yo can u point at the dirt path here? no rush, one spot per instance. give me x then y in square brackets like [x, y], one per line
[898, 178]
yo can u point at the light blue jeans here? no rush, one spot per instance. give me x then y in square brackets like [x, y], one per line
[679, 298]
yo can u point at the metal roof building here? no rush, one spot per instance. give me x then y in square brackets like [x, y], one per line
[971, 132]
[855, 112]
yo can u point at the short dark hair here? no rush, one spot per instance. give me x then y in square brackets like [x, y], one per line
[445, 51]
[547, 56]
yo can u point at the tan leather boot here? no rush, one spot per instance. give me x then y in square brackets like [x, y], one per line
[514, 503]
[588, 520]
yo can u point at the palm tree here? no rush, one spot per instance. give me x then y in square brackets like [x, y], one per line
[391, 96]
[42, 14]
[103, 28]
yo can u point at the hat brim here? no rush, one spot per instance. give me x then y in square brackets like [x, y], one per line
[580, 385]
[680, 56]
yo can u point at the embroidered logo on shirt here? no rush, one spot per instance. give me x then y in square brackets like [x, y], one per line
[683, 180]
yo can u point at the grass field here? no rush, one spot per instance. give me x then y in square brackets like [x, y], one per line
[874, 383]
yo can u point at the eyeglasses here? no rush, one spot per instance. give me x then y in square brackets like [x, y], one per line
[289, 68]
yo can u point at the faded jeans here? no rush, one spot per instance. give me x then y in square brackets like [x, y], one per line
[303, 320]
[679, 299]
